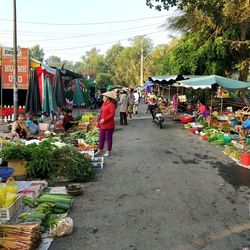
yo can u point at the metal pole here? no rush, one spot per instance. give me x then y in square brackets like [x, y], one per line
[1, 102]
[15, 72]
[142, 62]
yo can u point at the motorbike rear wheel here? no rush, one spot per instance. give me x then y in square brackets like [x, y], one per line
[160, 124]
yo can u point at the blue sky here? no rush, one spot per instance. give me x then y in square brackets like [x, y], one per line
[68, 29]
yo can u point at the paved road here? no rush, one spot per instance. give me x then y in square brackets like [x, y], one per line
[162, 189]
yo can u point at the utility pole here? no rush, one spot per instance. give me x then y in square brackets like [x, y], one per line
[141, 61]
[15, 72]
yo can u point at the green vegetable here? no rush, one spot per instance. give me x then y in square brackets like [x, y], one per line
[54, 199]
[28, 201]
[62, 205]
[59, 211]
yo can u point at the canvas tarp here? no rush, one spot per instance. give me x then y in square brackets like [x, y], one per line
[207, 81]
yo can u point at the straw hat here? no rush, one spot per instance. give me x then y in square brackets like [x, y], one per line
[110, 94]
[152, 96]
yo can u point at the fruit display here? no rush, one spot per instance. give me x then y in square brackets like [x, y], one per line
[233, 153]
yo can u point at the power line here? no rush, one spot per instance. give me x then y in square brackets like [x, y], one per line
[96, 23]
[92, 34]
[93, 45]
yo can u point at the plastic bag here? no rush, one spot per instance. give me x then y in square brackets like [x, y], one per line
[2, 195]
[11, 187]
[33, 128]
[10, 198]
[63, 227]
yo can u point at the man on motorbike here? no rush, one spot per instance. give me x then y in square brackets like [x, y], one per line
[152, 104]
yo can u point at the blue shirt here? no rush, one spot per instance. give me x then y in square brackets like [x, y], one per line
[246, 123]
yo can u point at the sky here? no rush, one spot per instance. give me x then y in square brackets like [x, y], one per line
[68, 29]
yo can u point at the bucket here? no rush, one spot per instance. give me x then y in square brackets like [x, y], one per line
[245, 158]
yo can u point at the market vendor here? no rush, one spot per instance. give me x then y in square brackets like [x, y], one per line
[68, 120]
[243, 129]
[203, 111]
[19, 128]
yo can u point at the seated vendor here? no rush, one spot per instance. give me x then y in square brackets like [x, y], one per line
[243, 129]
[19, 128]
[67, 120]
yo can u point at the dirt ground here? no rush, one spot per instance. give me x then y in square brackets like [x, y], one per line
[162, 189]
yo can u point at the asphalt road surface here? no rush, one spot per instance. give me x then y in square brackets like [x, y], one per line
[162, 189]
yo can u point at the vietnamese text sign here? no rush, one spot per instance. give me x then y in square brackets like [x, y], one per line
[8, 68]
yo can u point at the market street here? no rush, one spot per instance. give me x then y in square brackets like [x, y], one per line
[162, 189]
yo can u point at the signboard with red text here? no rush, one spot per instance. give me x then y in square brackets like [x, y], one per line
[8, 68]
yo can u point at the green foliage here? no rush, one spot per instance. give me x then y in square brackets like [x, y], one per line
[14, 151]
[37, 53]
[40, 163]
[103, 80]
[68, 162]
[54, 61]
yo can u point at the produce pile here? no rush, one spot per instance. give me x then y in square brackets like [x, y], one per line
[235, 154]
[47, 160]
[47, 210]
[23, 237]
[232, 148]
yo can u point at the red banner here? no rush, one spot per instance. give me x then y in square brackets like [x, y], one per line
[8, 68]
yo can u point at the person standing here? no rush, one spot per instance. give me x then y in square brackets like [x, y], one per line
[106, 122]
[123, 102]
[175, 105]
[136, 102]
[131, 103]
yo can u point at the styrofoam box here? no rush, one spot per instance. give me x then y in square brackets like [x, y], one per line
[6, 214]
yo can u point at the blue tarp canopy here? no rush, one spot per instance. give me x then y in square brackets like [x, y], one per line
[146, 84]
[208, 81]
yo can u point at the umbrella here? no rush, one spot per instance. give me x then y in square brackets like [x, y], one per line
[59, 91]
[78, 94]
[49, 102]
[33, 104]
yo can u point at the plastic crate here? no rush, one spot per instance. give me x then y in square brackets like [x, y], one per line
[97, 162]
[6, 214]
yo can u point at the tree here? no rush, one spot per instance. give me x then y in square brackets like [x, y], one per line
[103, 80]
[226, 21]
[110, 58]
[128, 61]
[54, 61]
[37, 53]
[157, 63]
[93, 63]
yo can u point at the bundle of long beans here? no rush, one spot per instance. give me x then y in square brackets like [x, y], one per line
[20, 237]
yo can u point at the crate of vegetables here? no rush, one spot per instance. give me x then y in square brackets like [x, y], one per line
[7, 213]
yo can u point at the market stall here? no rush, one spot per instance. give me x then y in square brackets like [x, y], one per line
[32, 213]
[219, 129]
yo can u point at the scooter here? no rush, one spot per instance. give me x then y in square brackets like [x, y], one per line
[158, 117]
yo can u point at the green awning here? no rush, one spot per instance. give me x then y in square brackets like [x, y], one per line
[208, 81]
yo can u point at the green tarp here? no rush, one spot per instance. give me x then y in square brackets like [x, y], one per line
[78, 94]
[207, 81]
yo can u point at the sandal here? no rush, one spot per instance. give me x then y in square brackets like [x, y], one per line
[107, 155]
[97, 153]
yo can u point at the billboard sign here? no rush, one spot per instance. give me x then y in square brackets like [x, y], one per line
[8, 68]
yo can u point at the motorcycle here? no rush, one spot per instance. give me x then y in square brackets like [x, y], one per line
[158, 117]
